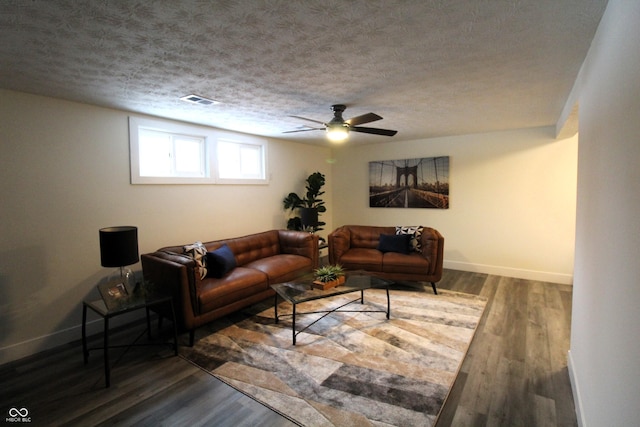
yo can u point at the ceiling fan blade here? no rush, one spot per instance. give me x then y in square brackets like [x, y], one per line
[375, 131]
[302, 130]
[310, 120]
[365, 118]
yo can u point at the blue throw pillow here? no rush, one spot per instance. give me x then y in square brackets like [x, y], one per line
[394, 243]
[220, 262]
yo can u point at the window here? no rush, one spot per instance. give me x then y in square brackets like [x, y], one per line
[240, 161]
[164, 152]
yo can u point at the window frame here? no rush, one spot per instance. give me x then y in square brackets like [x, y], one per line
[211, 158]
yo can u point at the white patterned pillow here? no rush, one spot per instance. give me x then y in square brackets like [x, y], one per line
[198, 252]
[416, 234]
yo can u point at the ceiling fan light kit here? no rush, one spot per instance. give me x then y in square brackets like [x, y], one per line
[337, 132]
[338, 129]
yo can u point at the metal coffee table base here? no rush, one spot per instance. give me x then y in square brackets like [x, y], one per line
[326, 312]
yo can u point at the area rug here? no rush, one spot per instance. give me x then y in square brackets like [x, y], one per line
[348, 369]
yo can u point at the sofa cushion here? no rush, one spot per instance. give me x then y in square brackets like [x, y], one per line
[394, 243]
[362, 259]
[197, 251]
[283, 267]
[414, 263]
[238, 284]
[415, 231]
[362, 236]
[252, 247]
[220, 262]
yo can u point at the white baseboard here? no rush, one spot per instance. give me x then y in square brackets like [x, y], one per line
[543, 276]
[577, 401]
[36, 345]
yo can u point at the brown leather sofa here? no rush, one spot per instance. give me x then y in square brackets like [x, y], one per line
[260, 260]
[357, 247]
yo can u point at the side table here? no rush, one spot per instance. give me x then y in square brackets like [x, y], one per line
[323, 259]
[128, 305]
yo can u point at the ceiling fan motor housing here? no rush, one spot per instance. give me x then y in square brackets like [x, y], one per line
[337, 129]
[337, 114]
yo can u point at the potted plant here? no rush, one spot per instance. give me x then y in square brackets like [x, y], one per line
[328, 276]
[310, 206]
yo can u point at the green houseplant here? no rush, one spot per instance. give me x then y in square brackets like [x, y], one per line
[310, 206]
[327, 273]
[328, 276]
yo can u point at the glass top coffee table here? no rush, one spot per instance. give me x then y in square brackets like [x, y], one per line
[301, 290]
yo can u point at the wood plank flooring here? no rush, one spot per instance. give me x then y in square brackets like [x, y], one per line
[515, 373]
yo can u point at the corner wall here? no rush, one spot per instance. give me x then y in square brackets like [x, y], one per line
[512, 200]
[604, 352]
[64, 169]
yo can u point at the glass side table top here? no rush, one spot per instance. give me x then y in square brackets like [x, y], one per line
[301, 290]
[129, 303]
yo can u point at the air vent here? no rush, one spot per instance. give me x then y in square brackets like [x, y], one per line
[197, 99]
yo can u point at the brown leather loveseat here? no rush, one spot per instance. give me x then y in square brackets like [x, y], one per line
[394, 253]
[220, 277]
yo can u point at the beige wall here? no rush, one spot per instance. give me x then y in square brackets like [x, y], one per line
[605, 345]
[512, 200]
[64, 168]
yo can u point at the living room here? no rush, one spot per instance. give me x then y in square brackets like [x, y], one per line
[569, 219]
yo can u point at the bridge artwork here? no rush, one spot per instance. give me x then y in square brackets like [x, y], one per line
[409, 183]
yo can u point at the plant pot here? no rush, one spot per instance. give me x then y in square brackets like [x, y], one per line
[309, 217]
[317, 284]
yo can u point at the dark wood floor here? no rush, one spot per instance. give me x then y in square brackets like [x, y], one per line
[515, 373]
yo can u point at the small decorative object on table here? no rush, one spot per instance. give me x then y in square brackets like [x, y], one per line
[115, 292]
[328, 276]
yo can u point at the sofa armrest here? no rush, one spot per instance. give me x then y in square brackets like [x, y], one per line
[433, 250]
[339, 243]
[173, 274]
[299, 243]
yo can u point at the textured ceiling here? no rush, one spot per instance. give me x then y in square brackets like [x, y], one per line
[430, 68]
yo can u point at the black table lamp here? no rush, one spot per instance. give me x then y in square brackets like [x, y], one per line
[119, 248]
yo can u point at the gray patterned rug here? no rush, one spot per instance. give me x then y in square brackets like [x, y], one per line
[356, 369]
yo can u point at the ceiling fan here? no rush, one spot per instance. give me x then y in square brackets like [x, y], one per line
[338, 128]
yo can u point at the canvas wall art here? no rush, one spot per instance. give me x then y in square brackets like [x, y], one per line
[409, 183]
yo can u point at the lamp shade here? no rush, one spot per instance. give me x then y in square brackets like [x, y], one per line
[118, 246]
